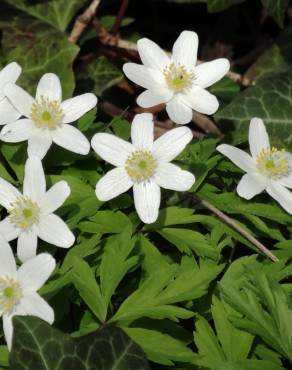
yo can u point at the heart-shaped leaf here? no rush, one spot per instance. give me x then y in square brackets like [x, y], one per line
[37, 345]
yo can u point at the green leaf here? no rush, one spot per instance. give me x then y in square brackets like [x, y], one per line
[57, 13]
[271, 100]
[274, 60]
[51, 52]
[106, 222]
[37, 345]
[265, 309]
[100, 75]
[85, 282]
[277, 9]
[219, 5]
[161, 348]
[187, 240]
[116, 262]
[168, 285]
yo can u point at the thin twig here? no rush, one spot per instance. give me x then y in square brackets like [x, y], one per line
[229, 221]
[206, 124]
[160, 127]
[82, 21]
[119, 17]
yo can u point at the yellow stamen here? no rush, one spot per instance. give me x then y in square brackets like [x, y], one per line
[46, 113]
[178, 78]
[140, 165]
[10, 293]
[24, 213]
[272, 162]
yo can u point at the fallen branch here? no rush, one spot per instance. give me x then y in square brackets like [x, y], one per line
[82, 21]
[229, 221]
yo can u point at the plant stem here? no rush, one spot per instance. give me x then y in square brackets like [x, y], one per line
[229, 221]
[119, 17]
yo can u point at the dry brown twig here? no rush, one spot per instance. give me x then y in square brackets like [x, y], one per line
[83, 21]
[231, 222]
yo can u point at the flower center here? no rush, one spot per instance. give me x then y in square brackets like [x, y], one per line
[272, 163]
[140, 165]
[24, 213]
[10, 293]
[46, 113]
[178, 78]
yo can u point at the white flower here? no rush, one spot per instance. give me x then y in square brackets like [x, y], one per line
[267, 168]
[8, 74]
[144, 164]
[47, 117]
[176, 81]
[18, 288]
[31, 213]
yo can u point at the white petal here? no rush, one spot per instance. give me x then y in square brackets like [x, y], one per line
[150, 98]
[54, 197]
[49, 86]
[8, 229]
[34, 184]
[201, 100]
[70, 138]
[147, 201]
[114, 183]
[258, 137]
[178, 111]
[170, 176]
[9, 73]
[17, 131]
[8, 329]
[8, 194]
[185, 49]
[282, 195]
[286, 180]
[35, 305]
[111, 148]
[238, 157]
[76, 107]
[39, 143]
[143, 76]
[21, 100]
[171, 144]
[27, 245]
[7, 261]
[208, 73]
[152, 55]
[142, 131]
[35, 272]
[8, 112]
[52, 229]
[251, 184]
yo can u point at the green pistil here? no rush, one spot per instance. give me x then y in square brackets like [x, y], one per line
[142, 165]
[46, 116]
[27, 212]
[8, 292]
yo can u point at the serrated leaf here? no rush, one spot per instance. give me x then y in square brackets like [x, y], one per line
[271, 100]
[85, 282]
[116, 262]
[161, 348]
[57, 13]
[277, 9]
[37, 345]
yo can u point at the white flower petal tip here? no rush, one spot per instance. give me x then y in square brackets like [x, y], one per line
[185, 49]
[238, 157]
[76, 107]
[49, 86]
[114, 183]
[22, 285]
[9, 74]
[250, 185]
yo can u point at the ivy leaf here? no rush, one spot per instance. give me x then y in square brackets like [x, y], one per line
[39, 49]
[277, 9]
[271, 100]
[57, 13]
[37, 345]
[100, 75]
